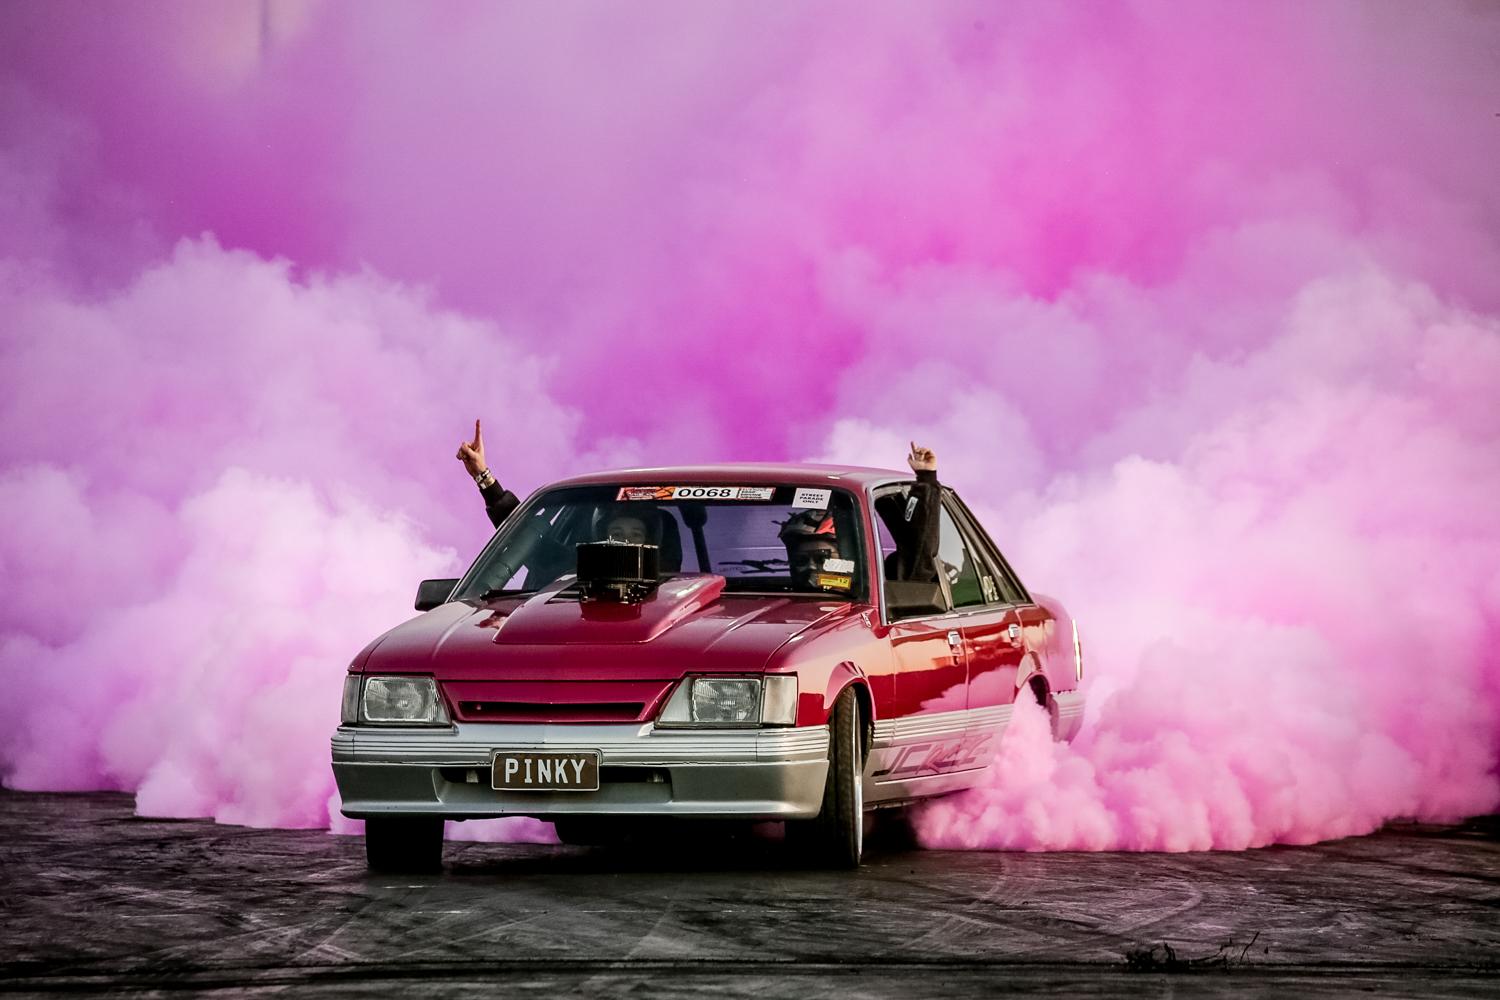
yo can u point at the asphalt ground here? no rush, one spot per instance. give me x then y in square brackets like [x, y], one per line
[97, 900]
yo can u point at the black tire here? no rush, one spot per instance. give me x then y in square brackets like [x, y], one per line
[404, 843]
[1043, 697]
[894, 829]
[836, 837]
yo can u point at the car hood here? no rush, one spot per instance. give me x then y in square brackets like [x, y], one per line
[687, 625]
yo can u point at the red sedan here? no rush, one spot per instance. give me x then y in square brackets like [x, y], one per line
[759, 642]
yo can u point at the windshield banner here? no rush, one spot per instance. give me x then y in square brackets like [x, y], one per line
[695, 493]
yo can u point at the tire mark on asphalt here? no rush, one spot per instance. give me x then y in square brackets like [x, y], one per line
[1194, 899]
[449, 942]
[325, 946]
[943, 926]
[80, 904]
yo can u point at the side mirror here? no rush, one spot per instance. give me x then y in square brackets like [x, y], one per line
[431, 593]
[912, 598]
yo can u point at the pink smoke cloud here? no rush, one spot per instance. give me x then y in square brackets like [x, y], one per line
[210, 510]
[1300, 610]
[1197, 305]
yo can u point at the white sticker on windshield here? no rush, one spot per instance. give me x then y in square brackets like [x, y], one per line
[817, 499]
[838, 565]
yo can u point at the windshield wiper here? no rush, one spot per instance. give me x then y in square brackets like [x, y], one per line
[490, 595]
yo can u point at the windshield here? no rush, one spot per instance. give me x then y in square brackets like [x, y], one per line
[780, 539]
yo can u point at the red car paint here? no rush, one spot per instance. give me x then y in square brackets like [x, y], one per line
[522, 659]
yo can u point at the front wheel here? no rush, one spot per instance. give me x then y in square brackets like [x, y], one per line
[404, 843]
[836, 836]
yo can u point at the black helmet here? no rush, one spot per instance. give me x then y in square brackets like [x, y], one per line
[809, 524]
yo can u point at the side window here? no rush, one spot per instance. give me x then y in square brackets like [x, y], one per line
[961, 567]
[995, 578]
[1009, 591]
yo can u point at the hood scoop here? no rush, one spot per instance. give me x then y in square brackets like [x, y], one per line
[556, 616]
[617, 572]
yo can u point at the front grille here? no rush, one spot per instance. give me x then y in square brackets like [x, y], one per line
[528, 711]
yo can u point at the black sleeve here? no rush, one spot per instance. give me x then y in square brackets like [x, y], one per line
[498, 502]
[917, 555]
[926, 519]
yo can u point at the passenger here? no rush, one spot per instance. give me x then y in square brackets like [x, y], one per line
[622, 526]
[498, 501]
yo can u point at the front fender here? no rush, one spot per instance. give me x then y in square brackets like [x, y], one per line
[816, 707]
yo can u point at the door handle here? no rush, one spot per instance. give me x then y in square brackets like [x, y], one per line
[1015, 631]
[954, 639]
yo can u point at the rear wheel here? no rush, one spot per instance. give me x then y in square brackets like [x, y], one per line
[1044, 698]
[404, 843]
[836, 836]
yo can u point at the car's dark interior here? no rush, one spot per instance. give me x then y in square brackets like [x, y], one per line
[542, 546]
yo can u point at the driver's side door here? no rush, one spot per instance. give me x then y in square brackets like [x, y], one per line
[922, 735]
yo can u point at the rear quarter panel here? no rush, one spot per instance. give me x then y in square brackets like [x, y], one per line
[1052, 639]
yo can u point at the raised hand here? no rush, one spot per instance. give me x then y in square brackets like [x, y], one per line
[921, 459]
[471, 453]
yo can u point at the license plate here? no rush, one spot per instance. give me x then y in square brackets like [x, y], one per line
[536, 771]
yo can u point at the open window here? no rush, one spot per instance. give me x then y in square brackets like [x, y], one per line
[903, 598]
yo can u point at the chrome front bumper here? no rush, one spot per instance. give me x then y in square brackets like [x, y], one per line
[643, 771]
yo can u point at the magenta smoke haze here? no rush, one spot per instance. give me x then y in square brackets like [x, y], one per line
[1198, 303]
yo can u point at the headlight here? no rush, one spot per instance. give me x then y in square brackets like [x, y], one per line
[410, 700]
[727, 702]
[732, 701]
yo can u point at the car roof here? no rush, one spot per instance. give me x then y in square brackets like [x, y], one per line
[745, 473]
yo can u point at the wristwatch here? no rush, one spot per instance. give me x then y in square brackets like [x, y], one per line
[484, 480]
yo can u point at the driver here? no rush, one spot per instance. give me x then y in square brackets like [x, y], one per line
[913, 523]
[811, 539]
[811, 536]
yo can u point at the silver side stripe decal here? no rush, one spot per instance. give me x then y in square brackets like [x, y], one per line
[936, 725]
